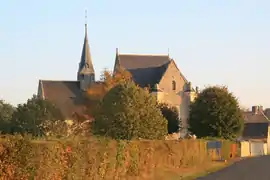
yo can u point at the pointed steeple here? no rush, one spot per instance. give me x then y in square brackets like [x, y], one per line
[116, 63]
[86, 65]
[86, 72]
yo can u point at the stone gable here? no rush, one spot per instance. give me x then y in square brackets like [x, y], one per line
[172, 95]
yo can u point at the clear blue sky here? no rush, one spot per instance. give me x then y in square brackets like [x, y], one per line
[213, 42]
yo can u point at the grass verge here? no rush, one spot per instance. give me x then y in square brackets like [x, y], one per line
[205, 170]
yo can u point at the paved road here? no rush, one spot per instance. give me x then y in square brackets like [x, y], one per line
[257, 168]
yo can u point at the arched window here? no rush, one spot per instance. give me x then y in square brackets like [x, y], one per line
[173, 85]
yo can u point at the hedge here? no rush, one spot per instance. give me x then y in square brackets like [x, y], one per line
[95, 158]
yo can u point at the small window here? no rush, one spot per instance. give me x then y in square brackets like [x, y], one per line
[173, 85]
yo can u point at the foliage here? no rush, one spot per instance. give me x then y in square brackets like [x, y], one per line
[120, 158]
[6, 112]
[57, 128]
[76, 158]
[108, 80]
[128, 112]
[67, 128]
[98, 90]
[14, 155]
[29, 117]
[216, 113]
[112, 79]
[133, 168]
[172, 115]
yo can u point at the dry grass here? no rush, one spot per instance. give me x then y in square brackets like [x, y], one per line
[190, 173]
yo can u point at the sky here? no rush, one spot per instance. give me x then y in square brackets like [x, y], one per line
[213, 42]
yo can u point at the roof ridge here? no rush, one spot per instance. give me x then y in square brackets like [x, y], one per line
[264, 115]
[42, 80]
[134, 54]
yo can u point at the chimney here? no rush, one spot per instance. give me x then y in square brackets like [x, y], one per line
[197, 89]
[255, 109]
[260, 109]
[189, 86]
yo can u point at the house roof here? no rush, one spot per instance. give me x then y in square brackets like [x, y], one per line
[250, 117]
[135, 61]
[66, 95]
[145, 69]
[255, 130]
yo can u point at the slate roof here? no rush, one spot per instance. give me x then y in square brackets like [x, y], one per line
[256, 126]
[145, 69]
[66, 95]
[250, 117]
[135, 61]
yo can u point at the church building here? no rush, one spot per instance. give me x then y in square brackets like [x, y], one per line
[68, 96]
[159, 72]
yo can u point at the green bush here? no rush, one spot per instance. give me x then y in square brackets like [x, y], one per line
[216, 113]
[6, 112]
[30, 116]
[129, 112]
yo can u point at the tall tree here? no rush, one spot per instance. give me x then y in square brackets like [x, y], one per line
[6, 112]
[129, 112]
[31, 115]
[216, 113]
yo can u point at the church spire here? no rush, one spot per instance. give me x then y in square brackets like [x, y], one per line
[86, 70]
[85, 25]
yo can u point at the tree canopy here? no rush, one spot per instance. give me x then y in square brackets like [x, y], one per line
[172, 115]
[31, 115]
[108, 80]
[216, 113]
[129, 112]
[97, 91]
[6, 113]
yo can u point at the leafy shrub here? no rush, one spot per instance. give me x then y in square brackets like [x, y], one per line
[216, 113]
[6, 113]
[28, 117]
[129, 112]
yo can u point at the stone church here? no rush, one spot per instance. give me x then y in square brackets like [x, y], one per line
[159, 72]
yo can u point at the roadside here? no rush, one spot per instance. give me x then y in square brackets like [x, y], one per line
[184, 173]
[207, 169]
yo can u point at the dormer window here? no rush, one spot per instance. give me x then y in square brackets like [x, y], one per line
[173, 85]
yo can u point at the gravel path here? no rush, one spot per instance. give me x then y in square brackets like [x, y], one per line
[256, 168]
